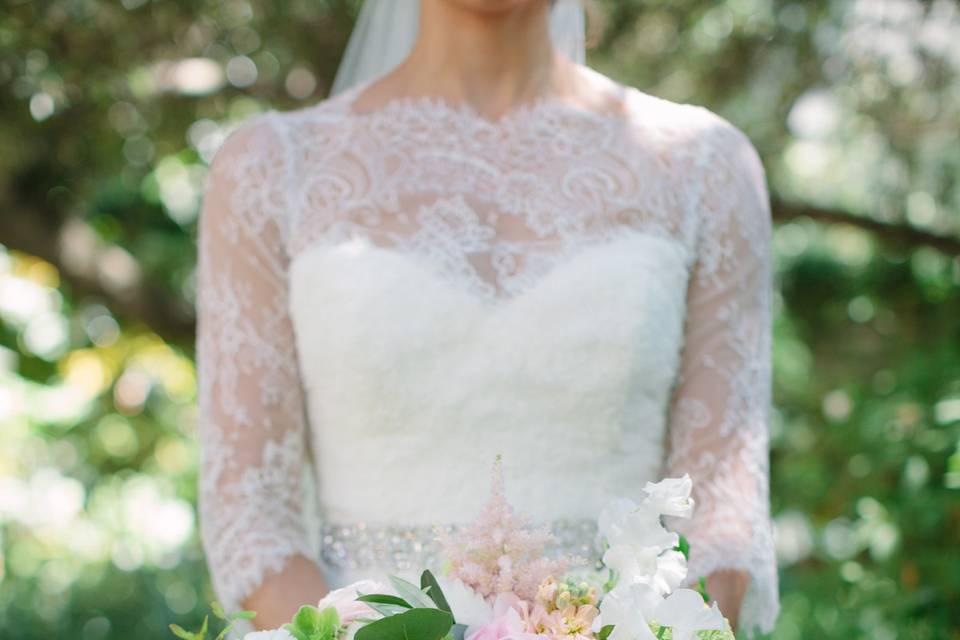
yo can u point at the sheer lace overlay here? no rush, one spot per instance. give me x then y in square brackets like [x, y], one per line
[432, 288]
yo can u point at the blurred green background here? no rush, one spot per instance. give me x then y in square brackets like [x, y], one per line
[109, 112]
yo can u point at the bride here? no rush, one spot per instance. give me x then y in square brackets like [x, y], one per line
[486, 248]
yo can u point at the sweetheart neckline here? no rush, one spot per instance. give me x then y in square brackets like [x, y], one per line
[566, 258]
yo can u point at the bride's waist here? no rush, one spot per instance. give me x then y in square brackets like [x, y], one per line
[399, 547]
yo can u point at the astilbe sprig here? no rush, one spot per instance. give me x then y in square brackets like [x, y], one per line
[501, 551]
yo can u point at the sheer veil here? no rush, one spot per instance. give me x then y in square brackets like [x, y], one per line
[386, 30]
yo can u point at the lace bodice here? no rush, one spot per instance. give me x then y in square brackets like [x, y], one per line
[392, 297]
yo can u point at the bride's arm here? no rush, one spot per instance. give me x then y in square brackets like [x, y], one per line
[718, 428]
[252, 419]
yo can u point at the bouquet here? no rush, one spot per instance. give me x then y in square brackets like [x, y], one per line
[497, 583]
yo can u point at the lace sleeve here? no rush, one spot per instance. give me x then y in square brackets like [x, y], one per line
[251, 406]
[718, 427]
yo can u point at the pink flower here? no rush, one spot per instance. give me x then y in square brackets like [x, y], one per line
[572, 622]
[501, 551]
[508, 623]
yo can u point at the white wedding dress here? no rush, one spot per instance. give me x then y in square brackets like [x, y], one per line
[392, 297]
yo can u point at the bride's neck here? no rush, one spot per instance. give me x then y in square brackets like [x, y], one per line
[492, 61]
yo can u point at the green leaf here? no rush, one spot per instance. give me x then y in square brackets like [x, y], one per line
[384, 598]
[702, 588]
[413, 624]
[296, 633]
[605, 632]
[223, 634]
[611, 582]
[243, 615]
[409, 592]
[428, 582]
[384, 608]
[310, 623]
[457, 631]
[218, 610]
[387, 609]
[180, 632]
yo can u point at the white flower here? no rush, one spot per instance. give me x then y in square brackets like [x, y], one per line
[685, 611]
[276, 634]
[612, 517]
[641, 527]
[467, 605]
[670, 496]
[671, 570]
[663, 572]
[628, 607]
[641, 549]
[637, 538]
[632, 564]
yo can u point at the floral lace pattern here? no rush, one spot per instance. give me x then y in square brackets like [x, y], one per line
[501, 212]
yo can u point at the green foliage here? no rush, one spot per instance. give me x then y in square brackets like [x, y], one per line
[410, 593]
[428, 583]
[701, 588]
[419, 624]
[418, 613]
[384, 598]
[310, 623]
[666, 633]
[228, 620]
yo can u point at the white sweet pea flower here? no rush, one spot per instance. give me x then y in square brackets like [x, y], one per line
[671, 568]
[666, 574]
[276, 634]
[632, 564]
[642, 528]
[628, 607]
[686, 613]
[671, 496]
[612, 517]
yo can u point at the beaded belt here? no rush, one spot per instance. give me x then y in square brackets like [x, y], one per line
[392, 547]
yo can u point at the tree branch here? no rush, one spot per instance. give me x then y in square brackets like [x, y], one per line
[784, 211]
[79, 257]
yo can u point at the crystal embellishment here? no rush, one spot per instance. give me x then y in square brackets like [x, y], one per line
[363, 545]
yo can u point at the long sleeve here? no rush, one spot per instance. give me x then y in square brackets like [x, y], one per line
[251, 406]
[719, 411]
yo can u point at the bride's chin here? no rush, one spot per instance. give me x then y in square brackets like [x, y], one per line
[495, 6]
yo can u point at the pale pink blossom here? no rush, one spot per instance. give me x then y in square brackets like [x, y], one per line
[344, 600]
[509, 621]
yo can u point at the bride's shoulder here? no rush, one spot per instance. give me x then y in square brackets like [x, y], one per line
[685, 125]
[267, 139]
[323, 113]
[257, 137]
[276, 128]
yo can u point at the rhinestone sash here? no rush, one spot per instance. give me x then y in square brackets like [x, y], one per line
[362, 545]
